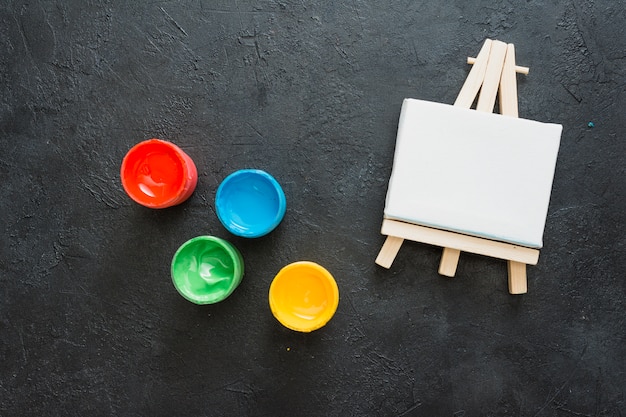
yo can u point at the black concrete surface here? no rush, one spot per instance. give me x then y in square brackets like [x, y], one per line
[90, 323]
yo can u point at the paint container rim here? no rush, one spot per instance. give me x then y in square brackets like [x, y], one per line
[232, 221]
[280, 300]
[185, 182]
[228, 249]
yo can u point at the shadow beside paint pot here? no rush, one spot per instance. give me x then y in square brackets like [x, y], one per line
[206, 269]
[303, 296]
[250, 203]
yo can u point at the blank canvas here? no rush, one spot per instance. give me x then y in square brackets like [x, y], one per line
[477, 173]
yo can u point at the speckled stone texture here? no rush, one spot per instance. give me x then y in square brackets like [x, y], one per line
[310, 91]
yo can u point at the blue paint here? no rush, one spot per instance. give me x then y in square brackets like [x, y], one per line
[250, 203]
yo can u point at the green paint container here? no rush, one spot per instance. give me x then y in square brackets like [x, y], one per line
[206, 269]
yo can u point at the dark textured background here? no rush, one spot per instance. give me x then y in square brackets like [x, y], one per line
[310, 91]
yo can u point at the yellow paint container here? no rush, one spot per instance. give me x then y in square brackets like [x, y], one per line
[303, 296]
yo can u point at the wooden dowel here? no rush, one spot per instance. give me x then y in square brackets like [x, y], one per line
[475, 78]
[508, 84]
[517, 277]
[389, 251]
[491, 82]
[449, 262]
[518, 69]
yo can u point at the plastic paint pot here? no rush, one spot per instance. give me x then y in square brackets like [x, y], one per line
[250, 203]
[158, 174]
[303, 296]
[206, 269]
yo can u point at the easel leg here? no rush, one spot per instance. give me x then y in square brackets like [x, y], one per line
[517, 277]
[449, 261]
[389, 251]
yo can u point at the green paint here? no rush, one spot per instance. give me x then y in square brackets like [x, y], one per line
[206, 269]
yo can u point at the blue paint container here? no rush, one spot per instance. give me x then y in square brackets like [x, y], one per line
[250, 203]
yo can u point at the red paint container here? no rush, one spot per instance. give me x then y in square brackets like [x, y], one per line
[158, 174]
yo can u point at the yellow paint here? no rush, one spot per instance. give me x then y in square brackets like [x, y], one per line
[303, 296]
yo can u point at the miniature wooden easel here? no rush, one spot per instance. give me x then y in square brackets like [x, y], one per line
[493, 70]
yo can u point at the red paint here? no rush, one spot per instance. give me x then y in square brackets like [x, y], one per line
[158, 174]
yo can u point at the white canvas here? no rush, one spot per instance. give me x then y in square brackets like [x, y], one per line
[482, 174]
